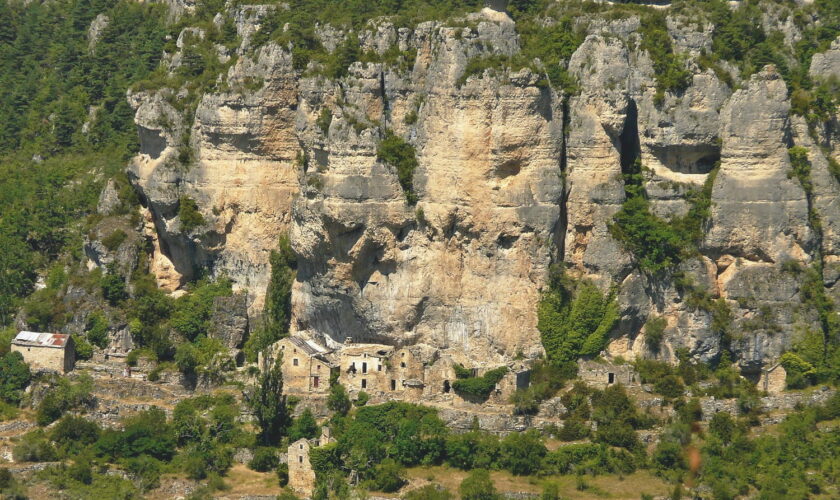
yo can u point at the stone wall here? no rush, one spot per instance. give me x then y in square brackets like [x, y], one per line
[301, 475]
[48, 358]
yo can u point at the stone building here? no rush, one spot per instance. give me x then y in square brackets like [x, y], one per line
[47, 351]
[301, 474]
[773, 379]
[305, 365]
[601, 374]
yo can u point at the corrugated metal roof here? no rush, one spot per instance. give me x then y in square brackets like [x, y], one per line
[307, 346]
[42, 339]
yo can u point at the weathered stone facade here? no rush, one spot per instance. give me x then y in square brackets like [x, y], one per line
[46, 351]
[604, 374]
[301, 475]
[773, 379]
[305, 367]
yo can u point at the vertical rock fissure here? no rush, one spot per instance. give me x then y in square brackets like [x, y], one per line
[629, 146]
[563, 221]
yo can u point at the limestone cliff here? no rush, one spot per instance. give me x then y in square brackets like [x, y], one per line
[512, 175]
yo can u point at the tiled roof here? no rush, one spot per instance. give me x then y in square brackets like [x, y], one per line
[41, 339]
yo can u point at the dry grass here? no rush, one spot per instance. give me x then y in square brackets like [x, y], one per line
[244, 481]
[630, 487]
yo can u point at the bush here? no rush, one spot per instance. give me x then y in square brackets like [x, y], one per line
[400, 155]
[669, 386]
[145, 471]
[189, 214]
[478, 486]
[522, 452]
[473, 450]
[283, 474]
[71, 434]
[265, 459]
[573, 430]
[34, 447]
[114, 240]
[361, 399]
[480, 387]
[305, 426]
[574, 318]
[146, 433]
[654, 332]
[338, 401]
[84, 350]
[428, 492]
[97, 330]
[64, 396]
[387, 476]
[14, 377]
[113, 287]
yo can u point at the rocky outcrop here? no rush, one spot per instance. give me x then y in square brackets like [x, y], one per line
[511, 176]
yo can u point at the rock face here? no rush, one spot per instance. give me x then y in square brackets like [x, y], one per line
[511, 177]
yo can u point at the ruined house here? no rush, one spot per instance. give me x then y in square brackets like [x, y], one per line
[773, 379]
[301, 474]
[305, 365]
[602, 374]
[46, 351]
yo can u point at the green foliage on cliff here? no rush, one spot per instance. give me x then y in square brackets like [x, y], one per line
[277, 312]
[395, 152]
[574, 318]
[657, 244]
[189, 214]
[479, 387]
[669, 68]
[14, 377]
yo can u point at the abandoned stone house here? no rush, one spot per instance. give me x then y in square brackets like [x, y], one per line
[382, 371]
[305, 365]
[601, 374]
[301, 474]
[773, 379]
[46, 351]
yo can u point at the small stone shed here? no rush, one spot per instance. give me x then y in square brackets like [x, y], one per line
[604, 374]
[47, 351]
[773, 379]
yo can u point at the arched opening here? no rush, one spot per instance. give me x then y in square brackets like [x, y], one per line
[446, 386]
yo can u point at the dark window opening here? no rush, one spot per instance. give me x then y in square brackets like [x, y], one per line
[316, 381]
[611, 378]
[364, 383]
[379, 368]
[402, 365]
[446, 386]
[300, 460]
[364, 367]
[295, 361]
[393, 385]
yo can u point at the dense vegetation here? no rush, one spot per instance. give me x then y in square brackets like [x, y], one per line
[574, 318]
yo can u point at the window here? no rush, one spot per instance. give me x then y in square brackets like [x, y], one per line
[364, 383]
[364, 367]
[393, 385]
[446, 386]
[301, 446]
[402, 364]
[318, 367]
[379, 368]
[316, 381]
[295, 361]
[300, 459]
[611, 378]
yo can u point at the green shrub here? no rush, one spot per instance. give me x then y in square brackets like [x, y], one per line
[324, 120]
[265, 459]
[34, 447]
[96, 329]
[387, 476]
[669, 386]
[478, 486]
[191, 313]
[71, 434]
[401, 156]
[305, 426]
[428, 492]
[114, 240]
[113, 287]
[574, 318]
[14, 377]
[283, 474]
[480, 387]
[338, 401]
[473, 450]
[654, 331]
[146, 433]
[84, 350]
[65, 396]
[361, 399]
[189, 214]
[574, 429]
[522, 452]
[145, 471]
